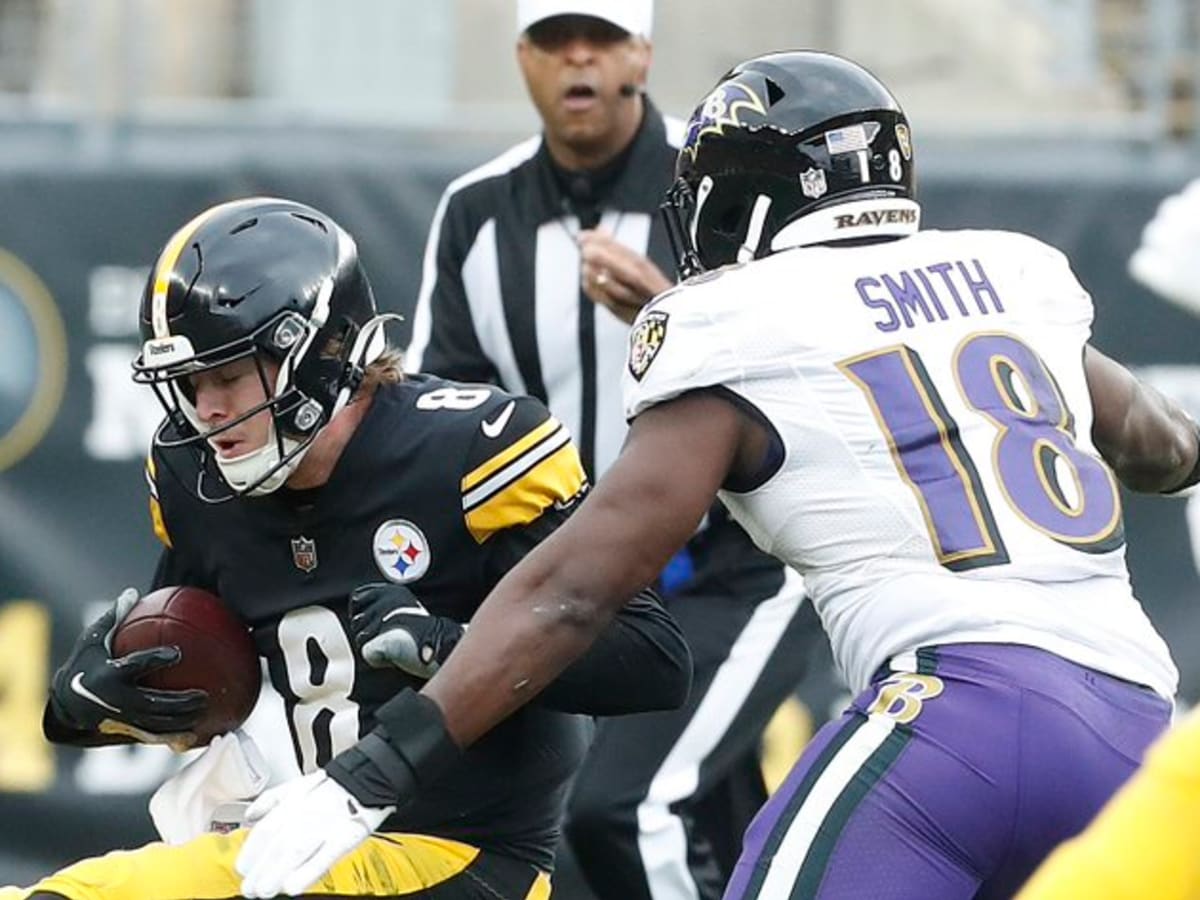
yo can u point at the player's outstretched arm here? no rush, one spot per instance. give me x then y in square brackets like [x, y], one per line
[639, 663]
[1152, 445]
[550, 607]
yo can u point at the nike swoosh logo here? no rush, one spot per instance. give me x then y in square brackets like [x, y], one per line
[78, 687]
[406, 611]
[493, 428]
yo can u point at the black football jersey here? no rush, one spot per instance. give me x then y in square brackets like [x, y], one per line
[442, 487]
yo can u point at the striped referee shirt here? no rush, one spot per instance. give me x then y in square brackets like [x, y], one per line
[500, 297]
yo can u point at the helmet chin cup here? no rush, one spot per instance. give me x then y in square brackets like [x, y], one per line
[266, 469]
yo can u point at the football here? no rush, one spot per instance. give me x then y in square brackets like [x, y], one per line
[217, 653]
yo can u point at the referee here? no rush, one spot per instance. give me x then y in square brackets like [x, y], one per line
[536, 263]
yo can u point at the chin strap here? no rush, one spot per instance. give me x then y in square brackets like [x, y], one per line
[754, 230]
[369, 344]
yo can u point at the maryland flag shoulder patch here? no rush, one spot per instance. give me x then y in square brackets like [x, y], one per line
[645, 341]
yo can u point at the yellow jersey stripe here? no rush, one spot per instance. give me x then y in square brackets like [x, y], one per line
[504, 457]
[152, 475]
[540, 889]
[156, 513]
[160, 524]
[556, 477]
[503, 477]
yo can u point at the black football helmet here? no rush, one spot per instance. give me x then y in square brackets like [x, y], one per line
[782, 137]
[267, 279]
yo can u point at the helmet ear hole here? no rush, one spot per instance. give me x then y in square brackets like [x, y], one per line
[727, 223]
[720, 224]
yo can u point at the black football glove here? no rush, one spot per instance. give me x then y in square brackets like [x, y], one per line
[92, 692]
[390, 627]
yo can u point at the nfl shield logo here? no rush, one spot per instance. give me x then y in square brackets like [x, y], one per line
[812, 183]
[304, 554]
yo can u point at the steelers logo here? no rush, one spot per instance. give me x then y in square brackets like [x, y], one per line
[401, 551]
[645, 341]
[33, 360]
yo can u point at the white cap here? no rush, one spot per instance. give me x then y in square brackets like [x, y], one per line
[1168, 260]
[634, 16]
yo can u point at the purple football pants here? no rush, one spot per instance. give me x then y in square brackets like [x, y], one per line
[951, 780]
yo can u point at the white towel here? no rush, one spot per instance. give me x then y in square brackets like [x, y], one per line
[211, 791]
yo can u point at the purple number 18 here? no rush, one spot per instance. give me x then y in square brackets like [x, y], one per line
[1052, 485]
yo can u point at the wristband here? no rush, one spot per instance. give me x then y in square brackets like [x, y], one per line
[408, 750]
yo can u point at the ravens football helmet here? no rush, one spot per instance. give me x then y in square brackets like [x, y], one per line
[784, 139]
[266, 279]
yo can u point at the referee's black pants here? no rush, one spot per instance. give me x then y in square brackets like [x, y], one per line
[661, 802]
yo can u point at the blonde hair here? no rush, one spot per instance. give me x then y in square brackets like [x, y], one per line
[387, 369]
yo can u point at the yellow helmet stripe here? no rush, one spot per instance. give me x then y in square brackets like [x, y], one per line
[170, 256]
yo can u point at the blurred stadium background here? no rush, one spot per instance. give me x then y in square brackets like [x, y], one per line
[1069, 119]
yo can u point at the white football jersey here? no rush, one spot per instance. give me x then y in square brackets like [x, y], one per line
[938, 482]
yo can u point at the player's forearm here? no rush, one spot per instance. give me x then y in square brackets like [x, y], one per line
[639, 663]
[1150, 443]
[513, 649]
[541, 616]
[1161, 454]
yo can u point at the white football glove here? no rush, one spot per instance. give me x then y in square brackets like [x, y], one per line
[391, 627]
[298, 830]
[1168, 260]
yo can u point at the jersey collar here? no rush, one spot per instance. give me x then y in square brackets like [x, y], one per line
[874, 218]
